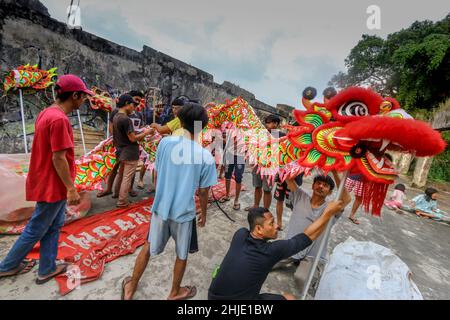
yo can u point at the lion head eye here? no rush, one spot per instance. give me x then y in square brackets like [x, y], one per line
[354, 108]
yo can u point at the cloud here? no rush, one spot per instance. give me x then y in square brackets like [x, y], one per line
[272, 48]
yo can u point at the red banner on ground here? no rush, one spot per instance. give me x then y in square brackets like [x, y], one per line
[94, 241]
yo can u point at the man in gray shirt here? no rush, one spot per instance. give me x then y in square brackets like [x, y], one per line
[307, 209]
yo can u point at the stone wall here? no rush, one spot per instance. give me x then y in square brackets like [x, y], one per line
[29, 35]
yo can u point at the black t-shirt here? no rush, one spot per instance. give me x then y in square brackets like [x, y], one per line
[126, 150]
[248, 263]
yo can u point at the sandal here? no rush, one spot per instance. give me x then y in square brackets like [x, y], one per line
[248, 208]
[103, 194]
[237, 206]
[354, 220]
[125, 281]
[192, 291]
[26, 266]
[224, 199]
[53, 275]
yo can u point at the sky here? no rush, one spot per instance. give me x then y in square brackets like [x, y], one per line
[274, 49]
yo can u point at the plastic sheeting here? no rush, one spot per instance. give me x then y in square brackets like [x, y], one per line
[15, 211]
[366, 271]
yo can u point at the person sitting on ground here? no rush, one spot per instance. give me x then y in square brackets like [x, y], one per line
[425, 205]
[306, 210]
[251, 256]
[395, 202]
[182, 166]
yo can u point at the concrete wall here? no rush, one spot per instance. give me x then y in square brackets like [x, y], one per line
[29, 35]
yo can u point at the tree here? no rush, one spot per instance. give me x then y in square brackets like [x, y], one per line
[412, 65]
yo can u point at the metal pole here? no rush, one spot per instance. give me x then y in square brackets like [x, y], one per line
[53, 93]
[323, 241]
[107, 127]
[23, 121]
[154, 106]
[81, 131]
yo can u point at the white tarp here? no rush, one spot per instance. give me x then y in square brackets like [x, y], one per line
[366, 271]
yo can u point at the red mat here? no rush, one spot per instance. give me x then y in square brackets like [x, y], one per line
[92, 242]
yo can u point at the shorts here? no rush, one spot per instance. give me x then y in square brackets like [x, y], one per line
[281, 191]
[238, 170]
[161, 231]
[270, 297]
[356, 186]
[259, 182]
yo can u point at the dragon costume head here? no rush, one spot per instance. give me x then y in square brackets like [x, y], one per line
[101, 100]
[29, 78]
[352, 130]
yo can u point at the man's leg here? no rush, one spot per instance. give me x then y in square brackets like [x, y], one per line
[119, 180]
[36, 228]
[267, 193]
[178, 274]
[129, 170]
[258, 197]
[49, 242]
[356, 205]
[239, 173]
[139, 267]
[280, 208]
[110, 181]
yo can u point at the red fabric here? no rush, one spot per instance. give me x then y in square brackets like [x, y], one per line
[53, 133]
[92, 242]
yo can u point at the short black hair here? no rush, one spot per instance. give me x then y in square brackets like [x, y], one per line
[256, 217]
[400, 187]
[125, 100]
[190, 113]
[327, 179]
[180, 101]
[272, 118]
[136, 93]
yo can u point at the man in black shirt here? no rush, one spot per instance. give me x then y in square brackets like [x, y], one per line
[251, 256]
[127, 148]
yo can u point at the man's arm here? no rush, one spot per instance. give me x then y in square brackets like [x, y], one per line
[62, 168]
[161, 129]
[284, 249]
[133, 137]
[316, 228]
[203, 194]
[346, 198]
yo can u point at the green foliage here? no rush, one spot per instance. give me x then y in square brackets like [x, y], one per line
[412, 65]
[440, 169]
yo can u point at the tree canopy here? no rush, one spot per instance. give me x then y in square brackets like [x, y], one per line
[412, 65]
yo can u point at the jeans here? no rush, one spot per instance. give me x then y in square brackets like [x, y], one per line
[44, 226]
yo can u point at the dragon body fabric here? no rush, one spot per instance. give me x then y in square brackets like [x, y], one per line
[101, 100]
[350, 131]
[29, 78]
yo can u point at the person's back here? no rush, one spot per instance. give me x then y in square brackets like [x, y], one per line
[53, 132]
[243, 259]
[181, 167]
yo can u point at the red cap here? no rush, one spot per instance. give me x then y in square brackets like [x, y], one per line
[71, 83]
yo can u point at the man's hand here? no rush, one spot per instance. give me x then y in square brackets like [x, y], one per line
[73, 198]
[154, 126]
[334, 207]
[202, 220]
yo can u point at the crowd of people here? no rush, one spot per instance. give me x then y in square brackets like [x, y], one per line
[252, 254]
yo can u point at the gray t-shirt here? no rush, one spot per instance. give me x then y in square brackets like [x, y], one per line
[303, 215]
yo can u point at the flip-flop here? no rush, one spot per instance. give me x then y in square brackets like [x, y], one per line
[355, 221]
[103, 194]
[191, 293]
[26, 266]
[45, 280]
[237, 206]
[125, 281]
[224, 199]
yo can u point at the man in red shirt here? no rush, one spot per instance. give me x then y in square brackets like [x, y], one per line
[50, 183]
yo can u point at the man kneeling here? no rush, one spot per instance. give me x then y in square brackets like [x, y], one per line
[251, 256]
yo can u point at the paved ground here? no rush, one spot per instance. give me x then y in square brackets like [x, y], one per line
[422, 244]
